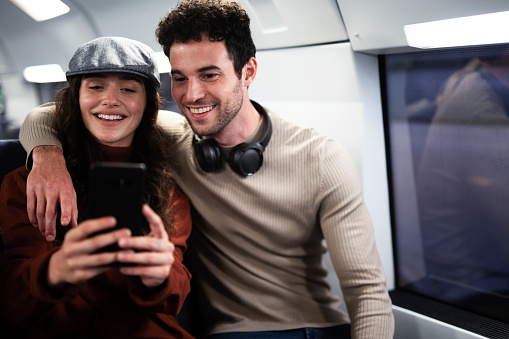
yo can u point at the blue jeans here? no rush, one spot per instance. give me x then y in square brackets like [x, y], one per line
[335, 332]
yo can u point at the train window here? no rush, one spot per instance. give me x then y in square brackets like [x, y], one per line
[446, 115]
[48, 90]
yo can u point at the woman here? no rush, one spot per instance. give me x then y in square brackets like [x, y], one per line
[107, 112]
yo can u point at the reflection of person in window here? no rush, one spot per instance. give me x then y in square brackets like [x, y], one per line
[463, 180]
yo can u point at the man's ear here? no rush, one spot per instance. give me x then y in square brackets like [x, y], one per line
[249, 73]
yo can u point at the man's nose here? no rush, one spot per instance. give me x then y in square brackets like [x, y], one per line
[194, 91]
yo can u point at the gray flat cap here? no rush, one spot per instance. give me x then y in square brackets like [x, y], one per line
[115, 54]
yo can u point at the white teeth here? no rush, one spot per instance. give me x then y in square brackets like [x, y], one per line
[109, 117]
[201, 110]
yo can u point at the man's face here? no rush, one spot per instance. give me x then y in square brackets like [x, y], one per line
[205, 86]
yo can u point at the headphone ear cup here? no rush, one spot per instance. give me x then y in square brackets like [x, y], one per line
[208, 154]
[246, 159]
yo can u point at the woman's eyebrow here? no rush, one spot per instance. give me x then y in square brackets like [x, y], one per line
[130, 77]
[104, 76]
[94, 75]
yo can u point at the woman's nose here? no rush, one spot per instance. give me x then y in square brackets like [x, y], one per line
[110, 97]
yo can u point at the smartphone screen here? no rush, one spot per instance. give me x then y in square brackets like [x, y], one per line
[117, 189]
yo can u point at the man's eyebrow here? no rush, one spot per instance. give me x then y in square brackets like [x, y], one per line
[199, 70]
[208, 68]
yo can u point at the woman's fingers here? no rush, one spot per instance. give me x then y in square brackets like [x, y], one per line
[94, 234]
[91, 226]
[153, 267]
[156, 224]
[78, 258]
[146, 243]
[148, 256]
[152, 254]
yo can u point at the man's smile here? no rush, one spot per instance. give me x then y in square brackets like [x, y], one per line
[201, 110]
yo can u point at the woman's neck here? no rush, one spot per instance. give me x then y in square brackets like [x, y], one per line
[118, 154]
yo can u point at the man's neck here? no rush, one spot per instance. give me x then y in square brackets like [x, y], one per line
[241, 127]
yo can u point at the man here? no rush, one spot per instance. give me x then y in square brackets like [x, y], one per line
[265, 193]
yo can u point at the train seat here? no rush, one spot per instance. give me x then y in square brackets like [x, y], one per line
[12, 156]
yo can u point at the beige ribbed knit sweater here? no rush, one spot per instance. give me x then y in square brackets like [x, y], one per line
[257, 244]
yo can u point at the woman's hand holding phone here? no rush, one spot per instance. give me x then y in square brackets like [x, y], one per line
[152, 254]
[150, 257]
[78, 258]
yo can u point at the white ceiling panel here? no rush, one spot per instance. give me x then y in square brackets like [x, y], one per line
[25, 42]
[376, 26]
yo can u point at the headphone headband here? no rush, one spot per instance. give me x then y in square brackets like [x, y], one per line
[266, 138]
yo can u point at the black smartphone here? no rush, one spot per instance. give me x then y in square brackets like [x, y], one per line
[117, 189]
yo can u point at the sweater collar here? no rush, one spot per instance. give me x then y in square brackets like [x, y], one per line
[118, 154]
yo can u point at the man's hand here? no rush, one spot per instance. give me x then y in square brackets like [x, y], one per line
[49, 184]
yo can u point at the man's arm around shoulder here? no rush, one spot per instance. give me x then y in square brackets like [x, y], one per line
[49, 182]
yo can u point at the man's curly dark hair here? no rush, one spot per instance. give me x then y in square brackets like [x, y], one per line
[218, 19]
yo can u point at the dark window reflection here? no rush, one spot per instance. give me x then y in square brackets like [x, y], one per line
[448, 124]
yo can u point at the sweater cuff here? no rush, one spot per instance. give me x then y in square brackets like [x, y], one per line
[145, 297]
[39, 282]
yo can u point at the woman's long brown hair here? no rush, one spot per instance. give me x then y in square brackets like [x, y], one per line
[81, 149]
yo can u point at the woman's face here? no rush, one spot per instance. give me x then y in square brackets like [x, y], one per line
[112, 105]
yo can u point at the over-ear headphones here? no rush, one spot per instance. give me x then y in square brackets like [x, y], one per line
[245, 158]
